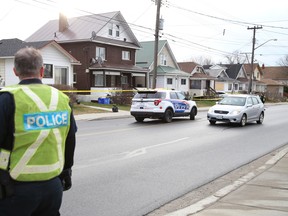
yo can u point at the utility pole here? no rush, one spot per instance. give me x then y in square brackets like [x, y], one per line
[156, 44]
[252, 58]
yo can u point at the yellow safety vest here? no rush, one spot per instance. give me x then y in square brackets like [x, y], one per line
[42, 122]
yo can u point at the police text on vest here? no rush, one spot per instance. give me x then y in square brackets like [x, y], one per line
[45, 120]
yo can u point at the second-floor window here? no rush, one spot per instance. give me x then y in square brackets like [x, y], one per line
[117, 31]
[163, 60]
[125, 55]
[101, 52]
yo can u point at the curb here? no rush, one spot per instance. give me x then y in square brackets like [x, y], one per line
[202, 204]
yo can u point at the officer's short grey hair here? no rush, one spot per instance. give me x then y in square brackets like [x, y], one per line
[28, 61]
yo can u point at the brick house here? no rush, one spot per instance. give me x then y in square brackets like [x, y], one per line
[105, 46]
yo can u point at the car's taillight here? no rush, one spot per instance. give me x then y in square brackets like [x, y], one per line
[157, 102]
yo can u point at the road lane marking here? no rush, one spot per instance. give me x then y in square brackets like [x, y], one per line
[143, 150]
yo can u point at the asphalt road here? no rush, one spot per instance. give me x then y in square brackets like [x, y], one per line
[124, 168]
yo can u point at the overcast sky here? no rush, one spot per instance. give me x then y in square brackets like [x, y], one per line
[207, 28]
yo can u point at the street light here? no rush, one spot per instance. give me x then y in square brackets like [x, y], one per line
[252, 61]
[264, 43]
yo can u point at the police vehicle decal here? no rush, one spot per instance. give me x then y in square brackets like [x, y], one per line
[45, 120]
[180, 106]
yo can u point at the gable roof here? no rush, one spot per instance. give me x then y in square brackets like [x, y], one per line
[145, 56]
[188, 66]
[84, 28]
[275, 73]
[247, 68]
[232, 70]
[9, 47]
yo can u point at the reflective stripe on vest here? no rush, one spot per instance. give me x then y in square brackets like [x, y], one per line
[22, 166]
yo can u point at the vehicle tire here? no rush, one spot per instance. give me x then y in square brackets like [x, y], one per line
[168, 115]
[261, 118]
[212, 122]
[139, 119]
[192, 113]
[243, 120]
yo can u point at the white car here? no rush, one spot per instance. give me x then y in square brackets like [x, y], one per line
[237, 109]
[162, 104]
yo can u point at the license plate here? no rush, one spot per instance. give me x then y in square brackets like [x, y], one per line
[219, 117]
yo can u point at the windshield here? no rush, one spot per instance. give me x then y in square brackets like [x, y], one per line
[234, 101]
[154, 95]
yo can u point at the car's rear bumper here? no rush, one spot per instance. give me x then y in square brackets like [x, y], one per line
[146, 114]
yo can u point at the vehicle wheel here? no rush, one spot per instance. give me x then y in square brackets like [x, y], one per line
[261, 118]
[168, 116]
[243, 121]
[212, 122]
[192, 114]
[139, 119]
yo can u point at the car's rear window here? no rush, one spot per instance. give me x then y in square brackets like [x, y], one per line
[158, 95]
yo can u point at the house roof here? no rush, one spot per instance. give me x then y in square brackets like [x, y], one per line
[85, 28]
[247, 68]
[9, 47]
[275, 73]
[271, 82]
[145, 56]
[167, 70]
[215, 72]
[188, 66]
[232, 70]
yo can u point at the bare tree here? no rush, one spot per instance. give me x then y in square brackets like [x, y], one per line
[202, 60]
[236, 58]
[283, 61]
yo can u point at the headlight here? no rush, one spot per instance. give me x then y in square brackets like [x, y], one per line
[235, 112]
[210, 110]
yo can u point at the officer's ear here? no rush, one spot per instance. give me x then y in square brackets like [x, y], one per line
[42, 72]
[15, 72]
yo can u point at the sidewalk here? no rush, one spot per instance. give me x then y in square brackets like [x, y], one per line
[263, 192]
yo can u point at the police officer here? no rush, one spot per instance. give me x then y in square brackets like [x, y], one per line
[37, 142]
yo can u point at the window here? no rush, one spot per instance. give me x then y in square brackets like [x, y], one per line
[255, 101]
[163, 59]
[195, 84]
[117, 30]
[173, 95]
[230, 87]
[101, 52]
[74, 78]
[110, 31]
[99, 79]
[125, 55]
[183, 81]
[169, 81]
[249, 101]
[61, 75]
[48, 71]
[124, 80]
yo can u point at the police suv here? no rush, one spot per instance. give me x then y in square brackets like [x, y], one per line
[162, 104]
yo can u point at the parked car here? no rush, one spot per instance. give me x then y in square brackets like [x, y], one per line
[162, 104]
[221, 94]
[237, 109]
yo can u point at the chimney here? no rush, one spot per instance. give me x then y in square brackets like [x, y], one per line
[63, 22]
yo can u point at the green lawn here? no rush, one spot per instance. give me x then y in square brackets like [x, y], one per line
[83, 109]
